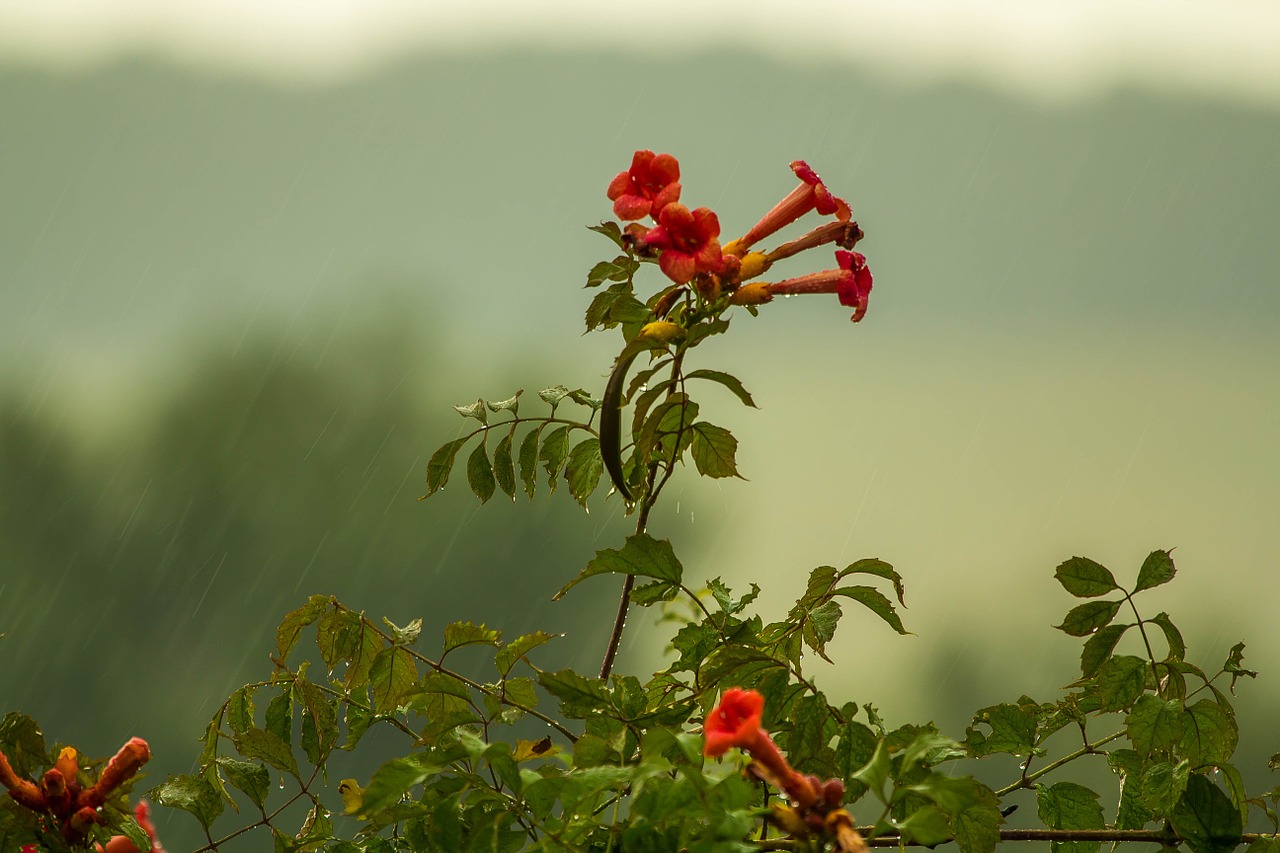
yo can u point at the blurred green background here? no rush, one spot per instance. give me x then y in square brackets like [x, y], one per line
[234, 313]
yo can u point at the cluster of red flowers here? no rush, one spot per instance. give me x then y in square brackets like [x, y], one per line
[687, 242]
[816, 805]
[75, 808]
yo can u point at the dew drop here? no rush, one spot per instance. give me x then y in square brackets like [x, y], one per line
[281, 783]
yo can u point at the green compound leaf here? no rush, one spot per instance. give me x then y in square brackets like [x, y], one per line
[512, 652]
[1084, 578]
[504, 471]
[393, 780]
[1098, 648]
[480, 473]
[441, 463]
[191, 794]
[1206, 818]
[1157, 569]
[1120, 682]
[714, 450]
[1066, 805]
[1087, 618]
[1154, 724]
[641, 555]
[728, 381]
[246, 776]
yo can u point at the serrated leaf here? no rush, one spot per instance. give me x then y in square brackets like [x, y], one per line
[1098, 648]
[1205, 818]
[1066, 805]
[294, 621]
[529, 461]
[553, 395]
[319, 723]
[926, 826]
[977, 828]
[584, 469]
[24, 744]
[1157, 569]
[251, 779]
[582, 398]
[714, 451]
[605, 271]
[611, 230]
[279, 715]
[441, 464]
[240, 709]
[1132, 811]
[394, 779]
[1120, 682]
[1087, 618]
[474, 410]
[504, 471]
[1084, 578]
[1154, 724]
[392, 675]
[1163, 784]
[513, 651]
[641, 555]
[480, 473]
[579, 696]
[269, 747]
[1013, 730]
[1209, 734]
[820, 627]
[403, 636]
[191, 794]
[728, 380]
[459, 634]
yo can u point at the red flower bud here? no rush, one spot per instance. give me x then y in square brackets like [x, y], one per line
[23, 791]
[120, 769]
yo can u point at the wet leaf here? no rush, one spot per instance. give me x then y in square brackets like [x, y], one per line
[1086, 618]
[191, 794]
[504, 471]
[294, 621]
[480, 473]
[1098, 648]
[1084, 578]
[441, 464]
[1157, 569]
[1154, 724]
[473, 410]
[392, 675]
[251, 779]
[555, 452]
[1206, 818]
[529, 461]
[1066, 805]
[1120, 682]
[714, 450]
[641, 555]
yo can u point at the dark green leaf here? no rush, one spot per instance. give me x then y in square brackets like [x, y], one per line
[641, 555]
[977, 828]
[319, 723]
[240, 710]
[611, 230]
[1154, 724]
[1232, 666]
[504, 470]
[820, 627]
[1163, 784]
[394, 779]
[1206, 818]
[584, 469]
[358, 719]
[267, 746]
[480, 473]
[441, 463]
[23, 744]
[1156, 569]
[1013, 730]
[293, 623]
[1066, 805]
[555, 451]
[392, 675]
[191, 794]
[1172, 636]
[248, 777]
[579, 696]
[1098, 648]
[279, 715]
[879, 568]
[874, 773]
[1087, 618]
[876, 602]
[1132, 812]
[616, 270]
[727, 380]
[714, 449]
[529, 461]
[926, 825]
[1120, 681]
[473, 410]
[1084, 578]
[1209, 734]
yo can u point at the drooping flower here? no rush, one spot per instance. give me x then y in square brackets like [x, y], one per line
[687, 240]
[652, 182]
[811, 194]
[851, 282]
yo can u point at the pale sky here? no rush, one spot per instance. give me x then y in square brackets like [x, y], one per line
[1226, 49]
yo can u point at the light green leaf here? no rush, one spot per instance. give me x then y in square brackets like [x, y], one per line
[269, 747]
[294, 621]
[459, 634]
[512, 652]
[511, 404]
[641, 555]
[714, 451]
[394, 779]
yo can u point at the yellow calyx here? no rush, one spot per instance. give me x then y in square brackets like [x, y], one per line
[661, 331]
[753, 264]
[756, 293]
